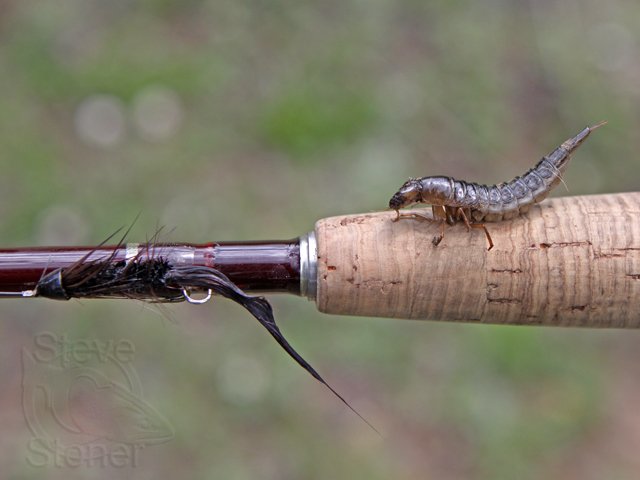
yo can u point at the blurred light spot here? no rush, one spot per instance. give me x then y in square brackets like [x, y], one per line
[157, 113]
[61, 225]
[612, 46]
[242, 379]
[100, 121]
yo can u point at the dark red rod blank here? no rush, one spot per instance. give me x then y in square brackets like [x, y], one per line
[268, 266]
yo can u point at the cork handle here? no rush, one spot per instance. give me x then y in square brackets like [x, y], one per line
[572, 261]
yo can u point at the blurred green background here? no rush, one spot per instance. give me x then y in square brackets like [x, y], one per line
[248, 120]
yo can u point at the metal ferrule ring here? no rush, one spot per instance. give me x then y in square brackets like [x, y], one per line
[308, 265]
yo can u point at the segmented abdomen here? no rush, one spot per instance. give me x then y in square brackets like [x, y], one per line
[493, 203]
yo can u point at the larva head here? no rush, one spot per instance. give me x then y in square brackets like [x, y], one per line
[409, 192]
[431, 190]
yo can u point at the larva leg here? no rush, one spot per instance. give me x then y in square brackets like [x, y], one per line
[439, 212]
[463, 216]
[414, 216]
[439, 215]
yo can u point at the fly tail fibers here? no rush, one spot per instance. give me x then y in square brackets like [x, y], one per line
[201, 277]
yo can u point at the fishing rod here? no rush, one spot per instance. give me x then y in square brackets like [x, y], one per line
[571, 261]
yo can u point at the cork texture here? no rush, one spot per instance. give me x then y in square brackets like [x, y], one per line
[572, 261]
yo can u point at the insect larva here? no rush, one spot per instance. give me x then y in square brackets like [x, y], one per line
[454, 200]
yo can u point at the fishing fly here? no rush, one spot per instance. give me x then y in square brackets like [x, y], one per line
[158, 273]
[454, 200]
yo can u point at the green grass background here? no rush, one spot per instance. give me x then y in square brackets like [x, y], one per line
[294, 111]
